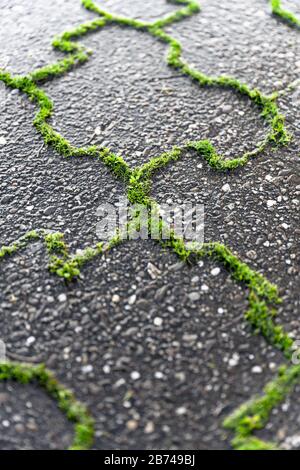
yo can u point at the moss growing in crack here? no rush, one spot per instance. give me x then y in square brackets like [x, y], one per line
[55, 244]
[64, 43]
[240, 271]
[260, 314]
[79, 54]
[262, 293]
[190, 8]
[59, 68]
[178, 247]
[253, 415]
[262, 297]
[75, 411]
[109, 18]
[139, 183]
[205, 149]
[261, 318]
[267, 104]
[252, 443]
[69, 268]
[283, 14]
[22, 242]
[116, 164]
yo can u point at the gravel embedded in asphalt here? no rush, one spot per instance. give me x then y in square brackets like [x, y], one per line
[158, 351]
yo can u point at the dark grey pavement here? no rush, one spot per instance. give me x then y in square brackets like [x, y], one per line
[160, 359]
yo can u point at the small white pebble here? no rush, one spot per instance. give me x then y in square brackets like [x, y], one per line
[132, 424]
[181, 411]
[115, 298]
[2, 141]
[180, 376]
[119, 383]
[166, 429]
[132, 299]
[234, 360]
[226, 188]
[204, 288]
[87, 369]
[220, 310]
[106, 369]
[159, 375]
[30, 341]
[158, 321]
[194, 296]
[215, 271]
[149, 428]
[62, 297]
[256, 370]
[271, 203]
[5, 423]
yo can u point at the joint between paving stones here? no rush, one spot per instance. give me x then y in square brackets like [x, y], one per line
[262, 295]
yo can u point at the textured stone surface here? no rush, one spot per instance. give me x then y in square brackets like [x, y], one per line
[158, 366]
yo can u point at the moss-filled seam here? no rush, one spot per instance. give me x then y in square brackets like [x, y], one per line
[262, 295]
[75, 411]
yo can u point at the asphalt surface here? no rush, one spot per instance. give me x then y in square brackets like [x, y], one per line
[160, 356]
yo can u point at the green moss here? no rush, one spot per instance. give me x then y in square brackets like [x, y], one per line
[22, 242]
[69, 268]
[79, 54]
[56, 244]
[260, 316]
[283, 14]
[253, 415]
[66, 401]
[252, 443]
[262, 295]
[191, 8]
